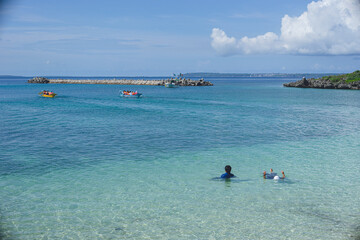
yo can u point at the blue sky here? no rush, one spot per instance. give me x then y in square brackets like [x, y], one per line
[158, 37]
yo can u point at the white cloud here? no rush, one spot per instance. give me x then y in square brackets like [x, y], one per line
[328, 27]
[222, 43]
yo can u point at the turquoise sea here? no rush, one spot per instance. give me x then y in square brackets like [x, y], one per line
[89, 164]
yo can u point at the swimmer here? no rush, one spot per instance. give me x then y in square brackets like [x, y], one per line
[227, 173]
[270, 175]
[273, 175]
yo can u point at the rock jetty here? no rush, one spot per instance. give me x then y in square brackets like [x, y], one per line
[324, 83]
[38, 80]
[180, 82]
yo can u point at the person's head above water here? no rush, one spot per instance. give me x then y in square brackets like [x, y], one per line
[228, 168]
[227, 173]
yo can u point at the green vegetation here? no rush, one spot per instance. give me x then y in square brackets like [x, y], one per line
[348, 78]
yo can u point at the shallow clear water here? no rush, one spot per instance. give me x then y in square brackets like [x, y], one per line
[91, 165]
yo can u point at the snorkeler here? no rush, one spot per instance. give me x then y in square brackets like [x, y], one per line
[273, 175]
[227, 173]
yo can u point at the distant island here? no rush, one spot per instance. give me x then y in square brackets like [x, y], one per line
[344, 81]
[177, 81]
[254, 75]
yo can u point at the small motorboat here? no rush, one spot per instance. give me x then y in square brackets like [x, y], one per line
[130, 94]
[171, 85]
[46, 93]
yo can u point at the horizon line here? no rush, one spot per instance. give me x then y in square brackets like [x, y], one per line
[192, 73]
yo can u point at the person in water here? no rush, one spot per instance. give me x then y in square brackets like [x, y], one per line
[227, 173]
[273, 175]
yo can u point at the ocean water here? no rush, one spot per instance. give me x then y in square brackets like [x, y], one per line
[89, 164]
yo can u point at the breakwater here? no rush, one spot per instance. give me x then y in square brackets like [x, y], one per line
[323, 83]
[179, 82]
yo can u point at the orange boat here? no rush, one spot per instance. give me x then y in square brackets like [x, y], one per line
[130, 94]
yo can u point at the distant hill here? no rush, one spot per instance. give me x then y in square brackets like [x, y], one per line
[11, 77]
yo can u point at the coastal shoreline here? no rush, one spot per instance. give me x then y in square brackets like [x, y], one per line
[324, 84]
[345, 81]
[179, 82]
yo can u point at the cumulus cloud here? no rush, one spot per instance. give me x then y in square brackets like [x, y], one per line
[328, 27]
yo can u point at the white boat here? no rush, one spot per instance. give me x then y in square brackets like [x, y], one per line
[171, 85]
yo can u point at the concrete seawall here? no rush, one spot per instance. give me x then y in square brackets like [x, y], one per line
[180, 82]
